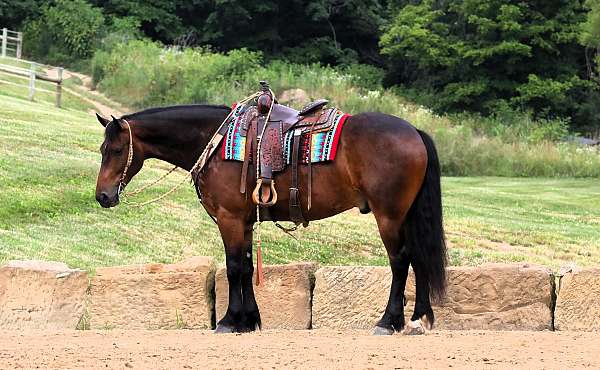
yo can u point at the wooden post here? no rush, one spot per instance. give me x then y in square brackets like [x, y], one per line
[59, 87]
[19, 44]
[32, 82]
[4, 41]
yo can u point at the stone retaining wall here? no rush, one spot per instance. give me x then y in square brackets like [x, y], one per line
[49, 295]
[493, 297]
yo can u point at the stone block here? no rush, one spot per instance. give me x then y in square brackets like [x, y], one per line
[493, 297]
[284, 300]
[578, 301]
[294, 97]
[41, 295]
[154, 296]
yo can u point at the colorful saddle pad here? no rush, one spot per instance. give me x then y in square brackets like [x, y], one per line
[320, 146]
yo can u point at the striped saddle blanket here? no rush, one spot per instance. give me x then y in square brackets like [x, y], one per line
[318, 145]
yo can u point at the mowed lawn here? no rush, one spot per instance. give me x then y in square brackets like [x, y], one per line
[49, 161]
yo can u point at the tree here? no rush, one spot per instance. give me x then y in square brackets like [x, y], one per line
[590, 38]
[590, 33]
[65, 32]
[326, 31]
[158, 19]
[479, 54]
[14, 12]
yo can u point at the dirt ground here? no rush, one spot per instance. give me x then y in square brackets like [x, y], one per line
[318, 349]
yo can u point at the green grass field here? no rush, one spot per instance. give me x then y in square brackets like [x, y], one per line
[49, 161]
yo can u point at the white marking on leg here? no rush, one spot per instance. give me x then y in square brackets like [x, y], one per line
[426, 322]
[414, 328]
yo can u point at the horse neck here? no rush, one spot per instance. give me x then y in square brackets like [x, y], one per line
[179, 141]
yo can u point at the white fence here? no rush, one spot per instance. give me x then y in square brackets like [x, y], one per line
[12, 43]
[27, 77]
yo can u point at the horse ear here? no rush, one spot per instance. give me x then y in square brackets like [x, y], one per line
[117, 120]
[103, 121]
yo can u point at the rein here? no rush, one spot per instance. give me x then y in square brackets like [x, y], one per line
[123, 184]
[197, 168]
[195, 172]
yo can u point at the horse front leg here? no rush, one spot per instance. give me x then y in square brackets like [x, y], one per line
[249, 301]
[233, 233]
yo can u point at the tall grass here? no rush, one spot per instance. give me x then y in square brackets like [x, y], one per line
[143, 74]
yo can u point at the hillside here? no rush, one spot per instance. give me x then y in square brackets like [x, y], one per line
[49, 160]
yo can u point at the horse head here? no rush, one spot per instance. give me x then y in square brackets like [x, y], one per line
[121, 160]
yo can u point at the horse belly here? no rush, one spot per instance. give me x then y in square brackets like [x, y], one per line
[331, 191]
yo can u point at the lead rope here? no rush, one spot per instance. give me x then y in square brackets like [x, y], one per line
[138, 191]
[198, 165]
[259, 260]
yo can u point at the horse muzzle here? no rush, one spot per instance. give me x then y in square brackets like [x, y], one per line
[107, 201]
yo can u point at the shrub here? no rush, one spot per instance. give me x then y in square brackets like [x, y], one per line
[67, 31]
[510, 143]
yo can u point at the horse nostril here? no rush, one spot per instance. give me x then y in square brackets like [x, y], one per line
[102, 198]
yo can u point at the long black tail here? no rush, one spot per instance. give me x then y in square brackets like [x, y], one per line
[425, 230]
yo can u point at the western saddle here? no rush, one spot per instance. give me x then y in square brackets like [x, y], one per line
[265, 124]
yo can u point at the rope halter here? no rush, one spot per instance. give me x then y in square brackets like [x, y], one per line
[122, 183]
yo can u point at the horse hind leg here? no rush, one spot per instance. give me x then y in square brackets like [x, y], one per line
[393, 238]
[399, 255]
[422, 317]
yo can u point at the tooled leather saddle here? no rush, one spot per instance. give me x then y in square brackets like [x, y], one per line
[265, 125]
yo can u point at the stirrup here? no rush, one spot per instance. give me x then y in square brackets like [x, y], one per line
[256, 198]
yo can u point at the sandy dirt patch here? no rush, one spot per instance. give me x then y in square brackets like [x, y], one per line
[297, 349]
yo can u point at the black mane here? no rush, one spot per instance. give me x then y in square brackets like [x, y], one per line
[184, 113]
[173, 112]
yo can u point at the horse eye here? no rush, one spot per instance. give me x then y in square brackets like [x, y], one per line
[118, 151]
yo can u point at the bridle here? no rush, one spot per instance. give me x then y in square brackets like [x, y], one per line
[122, 183]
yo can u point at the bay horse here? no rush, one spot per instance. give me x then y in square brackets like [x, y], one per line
[384, 165]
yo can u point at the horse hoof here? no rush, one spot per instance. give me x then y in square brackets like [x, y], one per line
[414, 328]
[222, 329]
[382, 331]
[428, 325]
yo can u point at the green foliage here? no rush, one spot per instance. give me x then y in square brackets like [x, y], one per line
[157, 19]
[365, 76]
[590, 30]
[508, 143]
[143, 73]
[66, 32]
[474, 55]
[14, 12]
[515, 127]
[324, 31]
[321, 49]
[452, 56]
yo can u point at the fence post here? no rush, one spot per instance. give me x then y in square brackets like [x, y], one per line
[19, 44]
[4, 41]
[32, 82]
[59, 87]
